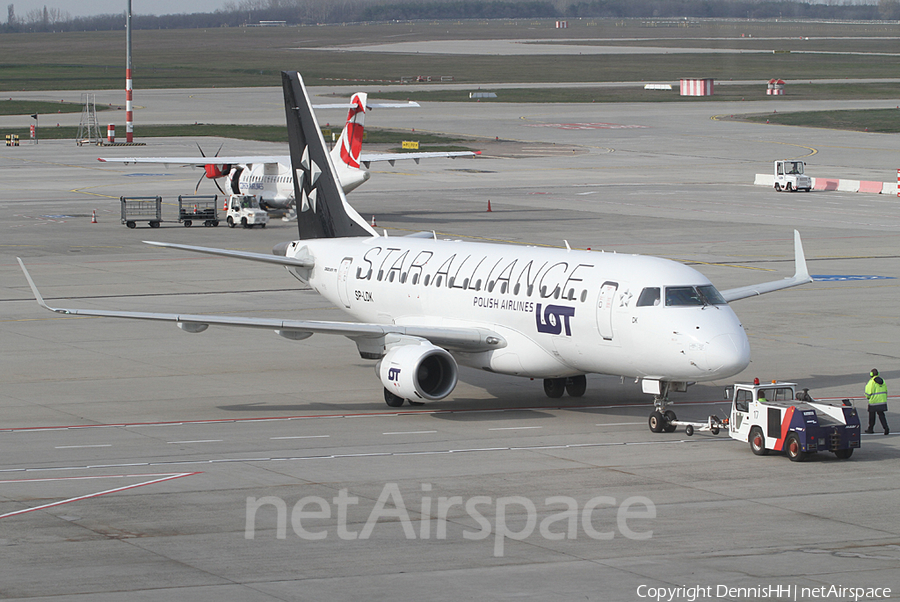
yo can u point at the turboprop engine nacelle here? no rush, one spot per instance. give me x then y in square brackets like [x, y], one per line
[418, 372]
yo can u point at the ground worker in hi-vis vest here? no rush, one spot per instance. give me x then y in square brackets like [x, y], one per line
[876, 393]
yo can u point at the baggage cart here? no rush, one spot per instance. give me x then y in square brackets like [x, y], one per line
[198, 209]
[141, 209]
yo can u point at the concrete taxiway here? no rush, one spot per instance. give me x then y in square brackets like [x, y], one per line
[132, 451]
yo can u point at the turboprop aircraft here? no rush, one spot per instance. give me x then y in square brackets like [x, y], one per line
[269, 177]
[426, 306]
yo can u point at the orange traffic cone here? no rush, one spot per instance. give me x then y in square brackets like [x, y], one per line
[489, 206]
[94, 216]
[373, 222]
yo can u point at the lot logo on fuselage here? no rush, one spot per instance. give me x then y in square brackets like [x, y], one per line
[552, 319]
[393, 374]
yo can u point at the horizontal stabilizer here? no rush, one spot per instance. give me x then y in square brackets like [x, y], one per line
[263, 257]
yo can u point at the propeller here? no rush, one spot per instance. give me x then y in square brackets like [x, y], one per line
[212, 171]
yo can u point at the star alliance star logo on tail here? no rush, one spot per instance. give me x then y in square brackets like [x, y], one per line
[308, 199]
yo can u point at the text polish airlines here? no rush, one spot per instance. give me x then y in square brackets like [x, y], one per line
[269, 177]
[426, 306]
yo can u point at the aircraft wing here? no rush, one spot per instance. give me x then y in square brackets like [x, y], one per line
[463, 339]
[371, 105]
[201, 161]
[367, 158]
[801, 276]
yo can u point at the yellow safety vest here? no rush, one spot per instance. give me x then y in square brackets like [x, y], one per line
[875, 393]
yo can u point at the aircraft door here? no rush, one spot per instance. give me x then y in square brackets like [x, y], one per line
[343, 284]
[605, 308]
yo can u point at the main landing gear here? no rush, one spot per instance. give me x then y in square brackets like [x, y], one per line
[395, 401]
[575, 386]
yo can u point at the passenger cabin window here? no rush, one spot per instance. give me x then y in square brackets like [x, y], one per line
[649, 296]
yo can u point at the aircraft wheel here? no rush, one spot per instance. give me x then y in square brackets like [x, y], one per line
[554, 387]
[670, 416]
[757, 442]
[657, 422]
[843, 454]
[777, 187]
[230, 221]
[689, 430]
[392, 400]
[576, 385]
[792, 448]
[131, 225]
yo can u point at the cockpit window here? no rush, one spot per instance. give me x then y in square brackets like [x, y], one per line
[682, 296]
[712, 296]
[649, 296]
[693, 296]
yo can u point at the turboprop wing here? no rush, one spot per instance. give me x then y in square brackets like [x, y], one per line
[268, 176]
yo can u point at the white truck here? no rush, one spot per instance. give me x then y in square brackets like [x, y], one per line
[789, 176]
[244, 209]
[771, 417]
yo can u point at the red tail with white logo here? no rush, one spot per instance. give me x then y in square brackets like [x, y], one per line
[352, 137]
[345, 154]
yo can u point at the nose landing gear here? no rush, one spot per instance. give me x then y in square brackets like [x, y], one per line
[661, 420]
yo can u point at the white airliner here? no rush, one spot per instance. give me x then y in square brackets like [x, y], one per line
[425, 305]
[269, 177]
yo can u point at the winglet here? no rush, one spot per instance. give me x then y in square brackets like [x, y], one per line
[801, 272]
[34, 289]
[801, 276]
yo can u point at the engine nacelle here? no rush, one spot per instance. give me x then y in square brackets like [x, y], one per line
[418, 372]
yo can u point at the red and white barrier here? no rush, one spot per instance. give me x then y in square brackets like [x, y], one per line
[871, 187]
[825, 183]
[866, 186]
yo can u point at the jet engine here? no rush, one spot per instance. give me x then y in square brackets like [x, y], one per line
[418, 372]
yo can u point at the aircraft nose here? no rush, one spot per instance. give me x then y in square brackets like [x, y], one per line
[728, 354]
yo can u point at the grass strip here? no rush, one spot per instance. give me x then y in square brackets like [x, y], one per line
[883, 121]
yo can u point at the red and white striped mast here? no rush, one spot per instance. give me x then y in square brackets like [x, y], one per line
[129, 113]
